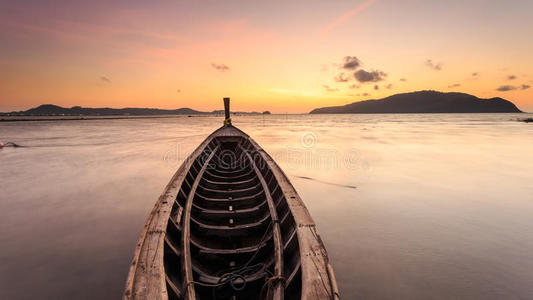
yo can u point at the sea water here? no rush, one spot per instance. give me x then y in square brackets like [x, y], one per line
[410, 206]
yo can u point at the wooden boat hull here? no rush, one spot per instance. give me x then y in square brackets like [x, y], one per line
[230, 225]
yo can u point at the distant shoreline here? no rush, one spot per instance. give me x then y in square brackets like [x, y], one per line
[119, 117]
[80, 118]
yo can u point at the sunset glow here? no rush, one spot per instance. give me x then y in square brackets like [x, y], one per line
[282, 56]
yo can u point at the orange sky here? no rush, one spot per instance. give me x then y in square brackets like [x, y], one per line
[276, 56]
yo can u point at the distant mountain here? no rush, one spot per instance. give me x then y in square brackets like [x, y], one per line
[424, 102]
[54, 110]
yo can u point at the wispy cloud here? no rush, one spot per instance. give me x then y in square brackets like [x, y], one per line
[346, 16]
[341, 78]
[403, 79]
[389, 86]
[330, 89]
[454, 85]
[475, 74]
[435, 66]
[511, 77]
[220, 67]
[105, 79]
[505, 88]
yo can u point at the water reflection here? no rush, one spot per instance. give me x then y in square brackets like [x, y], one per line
[442, 209]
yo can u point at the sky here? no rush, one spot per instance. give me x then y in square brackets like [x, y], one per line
[282, 56]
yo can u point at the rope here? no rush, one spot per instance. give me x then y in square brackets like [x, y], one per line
[227, 122]
[269, 284]
[9, 144]
[239, 273]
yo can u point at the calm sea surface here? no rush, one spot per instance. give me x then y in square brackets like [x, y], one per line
[442, 209]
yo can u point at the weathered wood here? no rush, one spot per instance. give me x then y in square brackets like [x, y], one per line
[187, 269]
[230, 196]
[146, 278]
[226, 108]
[314, 258]
[278, 244]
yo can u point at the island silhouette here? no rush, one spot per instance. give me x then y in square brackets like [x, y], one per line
[414, 102]
[424, 102]
[55, 110]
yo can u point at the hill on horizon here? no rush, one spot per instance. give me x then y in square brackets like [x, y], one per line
[55, 110]
[424, 102]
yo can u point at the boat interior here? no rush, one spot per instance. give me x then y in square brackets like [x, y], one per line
[231, 234]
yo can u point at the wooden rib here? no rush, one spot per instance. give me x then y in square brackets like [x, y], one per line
[289, 239]
[174, 288]
[222, 251]
[293, 273]
[232, 173]
[225, 212]
[313, 255]
[188, 276]
[243, 198]
[207, 278]
[236, 191]
[172, 247]
[229, 183]
[278, 244]
[233, 227]
[209, 174]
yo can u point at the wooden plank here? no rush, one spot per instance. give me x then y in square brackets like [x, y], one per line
[146, 278]
[278, 243]
[190, 293]
[316, 280]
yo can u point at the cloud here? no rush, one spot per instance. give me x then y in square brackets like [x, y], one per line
[341, 78]
[355, 86]
[178, 91]
[105, 79]
[511, 77]
[372, 76]
[330, 89]
[437, 67]
[346, 16]
[454, 85]
[505, 88]
[376, 87]
[475, 74]
[403, 79]
[389, 86]
[351, 63]
[323, 68]
[366, 94]
[220, 67]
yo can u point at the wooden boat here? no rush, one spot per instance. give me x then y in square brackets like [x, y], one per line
[230, 225]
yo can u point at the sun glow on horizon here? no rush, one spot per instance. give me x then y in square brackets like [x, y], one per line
[265, 56]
